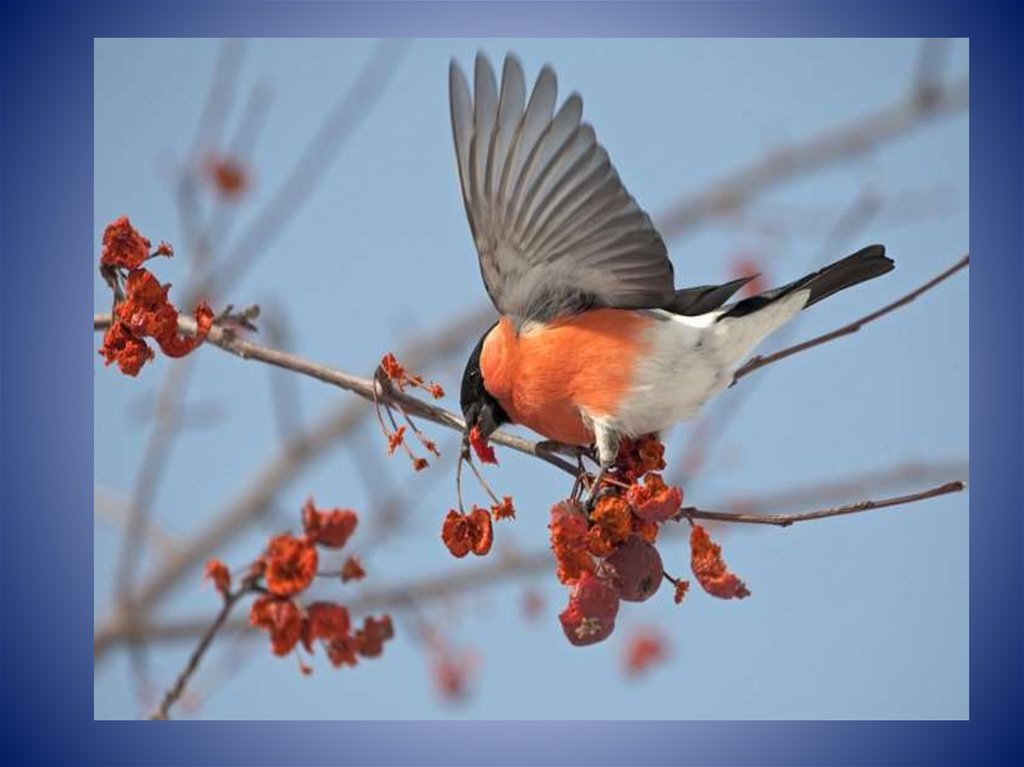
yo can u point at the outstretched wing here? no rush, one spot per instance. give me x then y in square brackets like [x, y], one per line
[555, 229]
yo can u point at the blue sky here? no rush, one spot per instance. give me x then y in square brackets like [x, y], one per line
[859, 617]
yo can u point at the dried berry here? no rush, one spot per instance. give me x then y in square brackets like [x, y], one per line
[635, 569]
[590, 615]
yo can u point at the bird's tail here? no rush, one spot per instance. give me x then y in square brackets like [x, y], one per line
[865, 264]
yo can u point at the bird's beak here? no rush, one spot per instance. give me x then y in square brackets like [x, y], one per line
[472, 414]
[481, 418]
[485, 423]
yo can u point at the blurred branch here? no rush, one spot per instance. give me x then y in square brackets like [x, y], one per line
[931, 64]
[340, 123]
[901, 208]
[201, 414]
[153, 463]
[172, 391]
[284, 392]
[418, 591]
[424, 589]
[219, 97]
[223, 86]
[761, 361]
[240, 151]
[355, 106]
[112, 509]
[175, 383]
[843, 143]
[390, 502]
[259, 491]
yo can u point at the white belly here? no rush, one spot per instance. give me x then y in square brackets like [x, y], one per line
[692, 359]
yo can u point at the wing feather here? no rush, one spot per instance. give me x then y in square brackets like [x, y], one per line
[555, 229]
[510, 113]
[462, 131]
[533, 122]
[485, 113]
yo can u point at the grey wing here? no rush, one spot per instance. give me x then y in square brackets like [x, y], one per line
[555, 229]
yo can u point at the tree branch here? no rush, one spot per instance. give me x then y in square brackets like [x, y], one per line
[844, 490]
[757, 362]
[362, 387]
[785, 520]
[172, 695]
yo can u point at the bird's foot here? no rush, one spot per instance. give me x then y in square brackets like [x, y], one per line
[598, 489]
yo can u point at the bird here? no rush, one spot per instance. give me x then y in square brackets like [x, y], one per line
[594, 342]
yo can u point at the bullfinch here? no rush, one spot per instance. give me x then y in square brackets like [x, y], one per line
[594, 341]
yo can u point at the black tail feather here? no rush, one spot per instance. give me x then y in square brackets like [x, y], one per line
[865, 264]
[691, 302]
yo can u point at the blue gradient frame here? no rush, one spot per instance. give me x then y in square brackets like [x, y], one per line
[46, 412]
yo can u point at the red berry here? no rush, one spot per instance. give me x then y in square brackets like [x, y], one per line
[635, 569]
[590, 616]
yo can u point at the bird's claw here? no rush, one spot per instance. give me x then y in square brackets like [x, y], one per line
[596, 491]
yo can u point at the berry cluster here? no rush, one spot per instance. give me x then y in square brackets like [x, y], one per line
[288, 568]
[141, 307]
[604, 551]
[391, 372]
[609, 555]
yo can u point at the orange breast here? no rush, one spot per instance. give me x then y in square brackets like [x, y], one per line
[548, 375]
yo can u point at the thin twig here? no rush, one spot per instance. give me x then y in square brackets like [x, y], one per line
[759, 362]
[893, 479]
[176, 690]
[785, 520]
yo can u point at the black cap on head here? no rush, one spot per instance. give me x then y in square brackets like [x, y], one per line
[479, 408]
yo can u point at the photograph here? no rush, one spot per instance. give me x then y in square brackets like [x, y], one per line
[545, 379]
